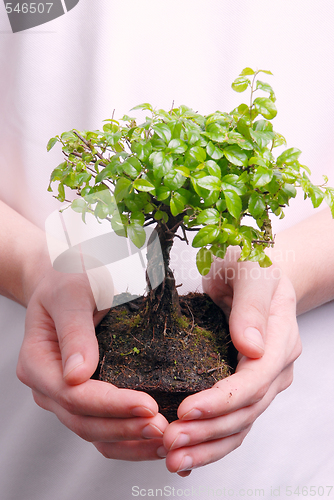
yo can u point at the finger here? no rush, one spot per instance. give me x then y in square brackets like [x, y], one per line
[180, 433]
[40, 354]
[252, 298]
[134, 451]
[243, 388]
[105, 429]
[203, 454]
[217, 286]
[72, 312]
[253, 377]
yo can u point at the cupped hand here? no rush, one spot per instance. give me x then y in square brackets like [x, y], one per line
[59, 354]
[261, 307]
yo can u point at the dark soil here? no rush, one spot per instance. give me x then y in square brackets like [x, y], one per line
[167, 362]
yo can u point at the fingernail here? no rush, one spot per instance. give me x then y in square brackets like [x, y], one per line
[186, 464]
[73, 362]
[162, 452]
[180, 440]
[254, 336]
[142, 411]
[151, 431]
[192, 414]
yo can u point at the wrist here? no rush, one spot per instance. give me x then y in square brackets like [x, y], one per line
[35, 268]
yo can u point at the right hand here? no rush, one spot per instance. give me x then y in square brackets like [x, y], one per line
[59, 354]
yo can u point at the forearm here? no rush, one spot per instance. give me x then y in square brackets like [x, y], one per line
[305, 253]
[24, 256]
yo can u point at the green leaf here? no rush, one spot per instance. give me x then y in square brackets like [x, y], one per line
[129, 169]
[143, 185]
[256, 204]
[216, 132]
[113, 138]
[213, 168]
[243, 127]
[208, 216]
[233, 203]
[231, 182]
[265, 261]
[204, 259]
[122, 189]
[317, 196]
[162, 193]
[61, 192]
[265, 107]
[137, 235]
[263, 125]
[262, 176]
[262, 138]
[101, 210]
[239, 139]
[177, 146]
[198, 153]
[214, 152]
[242, 111]
[289, 190]
[219, 250]
[163, 131]
[193, 132]
[257, 160]
[246, 248]
[106, 173]
[221, 205]
[68, 136]
[183, 170]
[51, 143]
[159, 214]
[240, 84]
[235, 155]
[279, 140]
[329, 198]
[145, 105]
[174, 180]
[137, 218]
[162, 163]
[247, 71]
[205, 236]
[134, 162]
[78, 205]
[266, 88]
[142, 150]
[265, 71]
[210, 182]
[176, 206]
[289, 156]
[210, 199]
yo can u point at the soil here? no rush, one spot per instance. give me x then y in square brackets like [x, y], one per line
[168, 361]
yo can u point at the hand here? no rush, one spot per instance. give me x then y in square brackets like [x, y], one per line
[263, 328]
[59, 354]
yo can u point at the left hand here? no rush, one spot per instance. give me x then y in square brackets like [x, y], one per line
[263, 328]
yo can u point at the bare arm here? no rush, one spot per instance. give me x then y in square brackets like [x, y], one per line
[24, 257]
[305, 252]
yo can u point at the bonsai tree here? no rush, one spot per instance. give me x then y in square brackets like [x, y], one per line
[185, 172]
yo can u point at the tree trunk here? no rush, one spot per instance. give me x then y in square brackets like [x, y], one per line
[162, 301]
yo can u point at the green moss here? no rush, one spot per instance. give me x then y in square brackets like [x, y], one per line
[182, 321]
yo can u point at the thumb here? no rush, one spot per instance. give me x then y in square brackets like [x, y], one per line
[77, 344]
[250, 313]
[72, 311]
